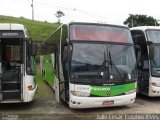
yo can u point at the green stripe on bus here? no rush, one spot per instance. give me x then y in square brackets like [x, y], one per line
[112, 90]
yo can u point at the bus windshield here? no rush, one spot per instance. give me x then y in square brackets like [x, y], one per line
[88, 58]
[154, 36]
[155, 63]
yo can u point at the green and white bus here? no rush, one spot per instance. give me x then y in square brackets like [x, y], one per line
[17, 64]
[90, 65]
[148, 40]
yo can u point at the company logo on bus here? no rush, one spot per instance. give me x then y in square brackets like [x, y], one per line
[108, 93]
[101, 89]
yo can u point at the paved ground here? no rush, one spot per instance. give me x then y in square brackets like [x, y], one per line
[45, 107]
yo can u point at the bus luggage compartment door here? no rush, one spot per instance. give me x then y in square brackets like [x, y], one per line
[0, 71]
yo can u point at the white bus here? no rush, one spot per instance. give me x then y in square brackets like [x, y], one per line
[90, 65]
[148, 40]
[17, 64]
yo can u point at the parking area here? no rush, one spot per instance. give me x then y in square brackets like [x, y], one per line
[45, 107]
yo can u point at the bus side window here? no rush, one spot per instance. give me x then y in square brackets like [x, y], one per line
[30, 60]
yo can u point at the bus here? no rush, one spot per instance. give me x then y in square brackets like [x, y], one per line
[148, 40]
[17, 64]
[90, 65]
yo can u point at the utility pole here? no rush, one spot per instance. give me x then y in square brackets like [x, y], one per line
[32, 10]
[158, 22]
[132, 22]
[155, 22]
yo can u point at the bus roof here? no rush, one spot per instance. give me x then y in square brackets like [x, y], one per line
[144, 28]
[11, 26]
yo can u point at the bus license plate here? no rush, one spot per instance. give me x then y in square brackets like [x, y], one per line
[108, 102]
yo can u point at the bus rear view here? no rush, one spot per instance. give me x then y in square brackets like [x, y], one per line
[102, 66]
[17, 64]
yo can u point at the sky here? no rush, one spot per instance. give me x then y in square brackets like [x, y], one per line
[104, 11]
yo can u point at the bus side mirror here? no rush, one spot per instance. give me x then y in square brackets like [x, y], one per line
[33, 49]
[151, 49]
[70, 48]
[138, 54]
[151, 52]
[68, 51]
[65, 53]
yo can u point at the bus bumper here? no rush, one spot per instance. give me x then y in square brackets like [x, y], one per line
[31, 94]
[93, 102]
[154, 91]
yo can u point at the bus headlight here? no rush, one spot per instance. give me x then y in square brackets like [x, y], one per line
[130, 91]
[156, 84]
[80, 94]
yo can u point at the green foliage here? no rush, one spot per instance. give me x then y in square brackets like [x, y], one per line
[38, 31]
[59, 14]
[48, 68]
[140, 20]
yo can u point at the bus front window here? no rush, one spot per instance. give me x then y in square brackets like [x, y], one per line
[86, 56]
[124, 58]
[102, 63]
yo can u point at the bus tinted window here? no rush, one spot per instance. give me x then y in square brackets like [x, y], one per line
[100, 33]
[154, 35]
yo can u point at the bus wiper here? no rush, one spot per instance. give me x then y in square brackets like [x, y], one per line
[104, 63]
[115, 67]
[112, 65]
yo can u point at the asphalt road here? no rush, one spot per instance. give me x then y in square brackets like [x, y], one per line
[45, 107]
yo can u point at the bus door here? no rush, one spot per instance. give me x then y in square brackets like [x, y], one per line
[143, 65]
[59, 77]
[144, 72]
[0, 70]
[11, 69]
[64, 81]
[65, 65]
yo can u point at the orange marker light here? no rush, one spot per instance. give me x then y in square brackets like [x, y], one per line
[30, 87]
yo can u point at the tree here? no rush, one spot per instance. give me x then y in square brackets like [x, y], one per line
[140, 20]
[59, 14]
